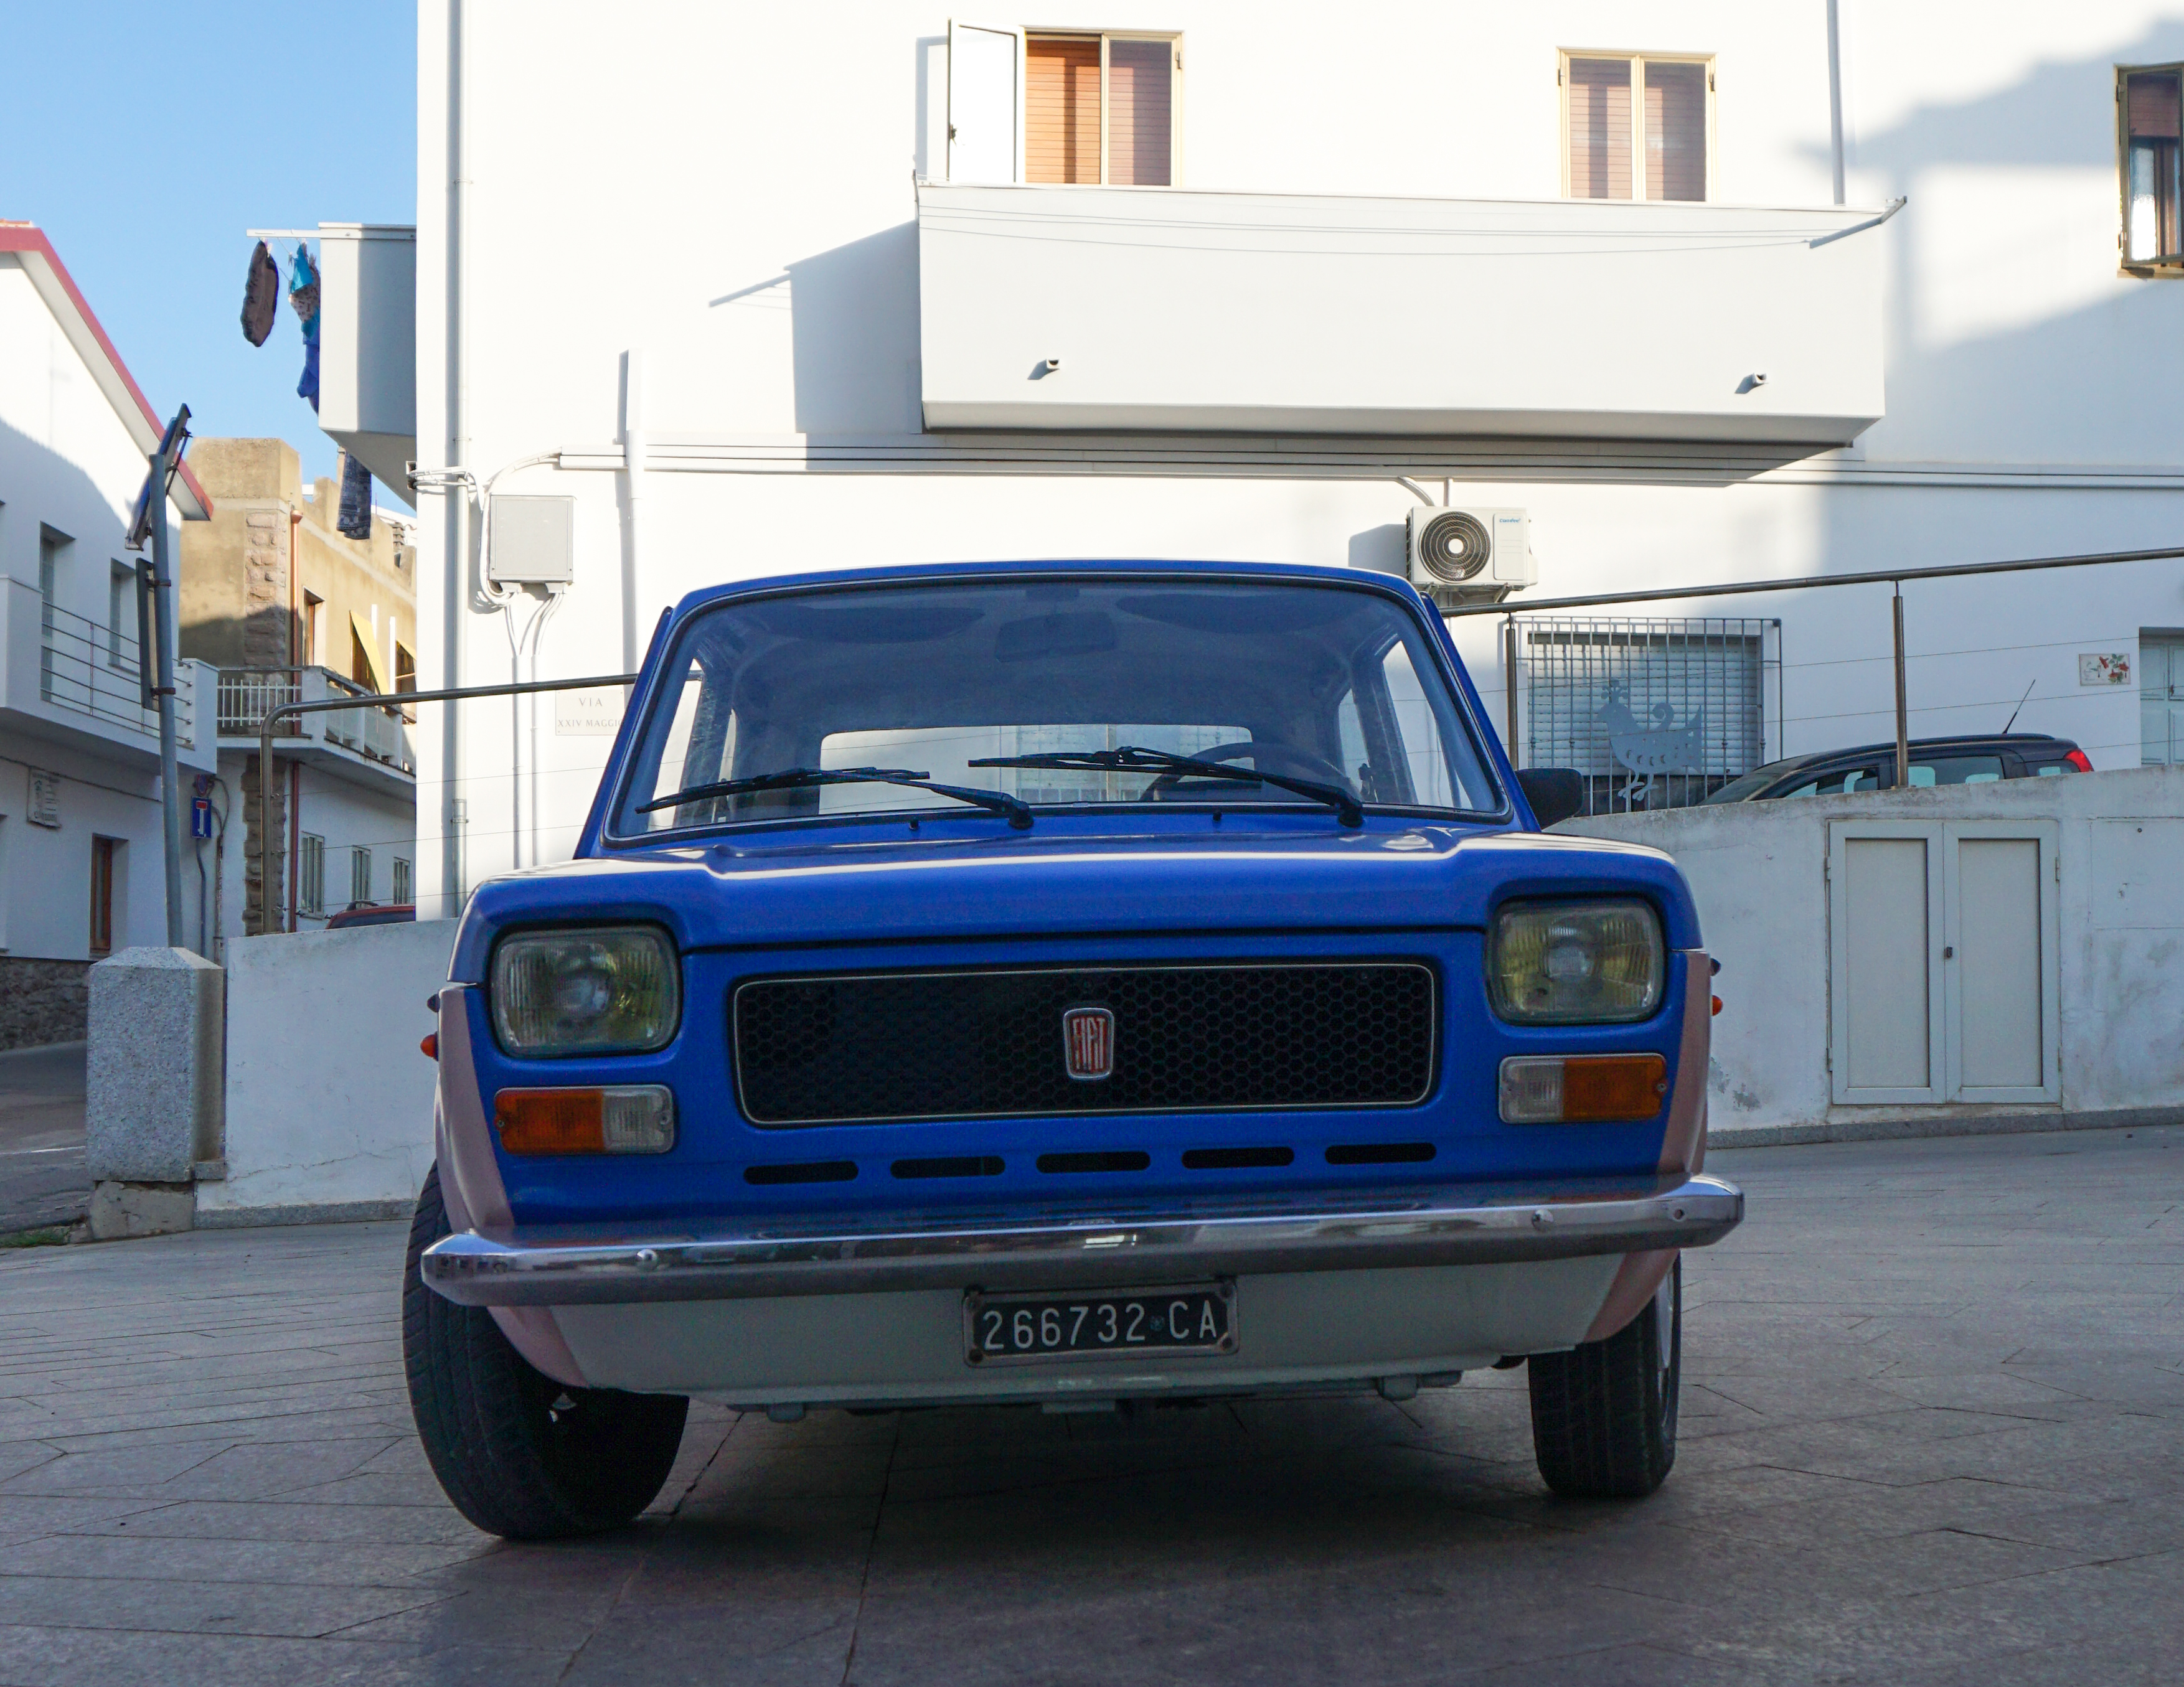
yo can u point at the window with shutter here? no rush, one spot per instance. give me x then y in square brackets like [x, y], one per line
[1100, 109]
[1636, 126]
[1061, 109]
[1598, 91]
[2150, 102]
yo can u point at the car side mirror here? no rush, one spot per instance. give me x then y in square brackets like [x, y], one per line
[1554, 792]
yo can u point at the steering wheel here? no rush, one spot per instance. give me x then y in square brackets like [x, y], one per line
[1269, 754]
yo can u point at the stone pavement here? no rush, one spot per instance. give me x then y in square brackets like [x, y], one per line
[43, 1179]
[1930, 1435]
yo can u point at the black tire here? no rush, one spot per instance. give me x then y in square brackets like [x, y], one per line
[1604, 1414]
[519, 1455]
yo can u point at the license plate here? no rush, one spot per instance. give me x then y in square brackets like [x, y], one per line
[1002, 1329]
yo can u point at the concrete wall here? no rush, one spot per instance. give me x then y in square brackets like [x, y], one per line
[329, 1101]
[1758, 872]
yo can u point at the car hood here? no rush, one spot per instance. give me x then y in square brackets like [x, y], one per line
[1057, 883]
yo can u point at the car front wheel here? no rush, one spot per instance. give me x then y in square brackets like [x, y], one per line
[1604, 1414]
[518, 1454]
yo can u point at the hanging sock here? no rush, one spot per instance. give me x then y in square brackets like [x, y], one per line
[261, 295]
[355, 498]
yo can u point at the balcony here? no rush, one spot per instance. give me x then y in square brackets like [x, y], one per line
[1116, 308]
[66, 680]
[368, 745]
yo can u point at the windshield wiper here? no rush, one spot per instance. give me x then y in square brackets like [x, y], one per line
[1136, 759]
[803, 778]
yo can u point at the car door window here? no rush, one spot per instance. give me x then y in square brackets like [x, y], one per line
[1839, 781]
[1956, 770]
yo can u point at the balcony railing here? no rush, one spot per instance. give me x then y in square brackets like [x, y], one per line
[93, 669]
[247, 695]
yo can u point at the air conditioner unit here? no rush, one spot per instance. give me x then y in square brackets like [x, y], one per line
[1471, 556]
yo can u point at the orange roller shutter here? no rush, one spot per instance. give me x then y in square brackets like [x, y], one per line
[1600, 128]
[1140, 116]
[1675, 132]
[1061, 109]
[2154, 107]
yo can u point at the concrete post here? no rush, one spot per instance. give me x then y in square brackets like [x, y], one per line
[155, 1090]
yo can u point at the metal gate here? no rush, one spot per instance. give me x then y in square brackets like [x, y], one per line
[1655, 714]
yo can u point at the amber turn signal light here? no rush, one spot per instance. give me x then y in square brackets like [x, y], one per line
[626, 1119]
[1582, 1089]
[429, 1046]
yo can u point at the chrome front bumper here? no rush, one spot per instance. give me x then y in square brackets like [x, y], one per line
[545, 1267]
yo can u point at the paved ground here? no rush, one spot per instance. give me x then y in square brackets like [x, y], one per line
[1932, 1436]
[41, 1177]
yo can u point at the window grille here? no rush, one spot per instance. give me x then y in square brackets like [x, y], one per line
[311, 874]
[1655, 714]
[359, 875]
[403, 891]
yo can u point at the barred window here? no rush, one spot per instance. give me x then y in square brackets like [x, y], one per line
[1655, 714]
[311, 874]
[403, 892]
[359, 875]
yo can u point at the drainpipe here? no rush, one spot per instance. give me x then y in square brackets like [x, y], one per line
[632, 455]
[1835, 93]
[455, 540]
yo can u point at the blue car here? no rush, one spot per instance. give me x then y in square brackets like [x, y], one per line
[1070, 985]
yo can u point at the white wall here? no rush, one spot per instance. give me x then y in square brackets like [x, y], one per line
[748, 233]
[67, 463]
[329, 1099]
[1758, 873]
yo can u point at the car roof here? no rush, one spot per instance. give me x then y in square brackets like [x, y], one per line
[1962, 741]
[900, 574]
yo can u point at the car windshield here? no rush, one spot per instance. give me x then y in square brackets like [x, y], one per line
[1335, 685]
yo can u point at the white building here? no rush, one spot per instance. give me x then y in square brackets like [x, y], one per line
[81, 868]
[758, 289]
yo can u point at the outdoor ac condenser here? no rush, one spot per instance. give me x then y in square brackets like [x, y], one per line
[1471, 556]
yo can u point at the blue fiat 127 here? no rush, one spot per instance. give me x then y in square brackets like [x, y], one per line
[1076, 985]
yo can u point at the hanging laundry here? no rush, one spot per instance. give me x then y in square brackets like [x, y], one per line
[261, 295]
[303, 284]
[355, 498]
[303, 295]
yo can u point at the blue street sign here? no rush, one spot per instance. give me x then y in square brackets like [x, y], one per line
[200, 818]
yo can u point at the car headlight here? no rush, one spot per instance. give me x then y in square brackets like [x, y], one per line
[611, 990]
[1576, 963]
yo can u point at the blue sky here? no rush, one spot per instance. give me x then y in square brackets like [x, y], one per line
[145, 138]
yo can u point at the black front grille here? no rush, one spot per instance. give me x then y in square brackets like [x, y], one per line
[924, 1045]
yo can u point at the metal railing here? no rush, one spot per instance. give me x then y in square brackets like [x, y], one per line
[1895, 577]
[245, 694]
[248, 695]
[93, 671]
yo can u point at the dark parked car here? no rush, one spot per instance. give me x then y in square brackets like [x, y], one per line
[372, 914]
[1934, 762]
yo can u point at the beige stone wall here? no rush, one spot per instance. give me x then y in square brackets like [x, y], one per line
[240, 608]
[235, 586]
